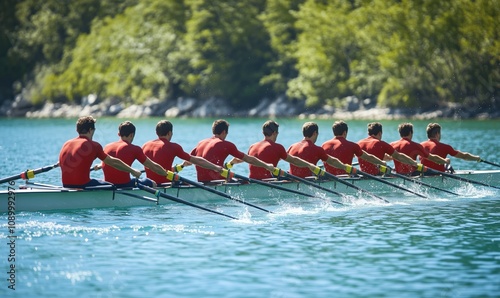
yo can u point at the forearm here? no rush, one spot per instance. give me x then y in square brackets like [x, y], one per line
[403, 158]
[467, 156]
[155, 167]
[118, 164]
[334, 162]
[255, 161]
[437, 159]
[200, 161]
[372, 159]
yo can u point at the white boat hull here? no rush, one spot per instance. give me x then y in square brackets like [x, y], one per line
[33, 198]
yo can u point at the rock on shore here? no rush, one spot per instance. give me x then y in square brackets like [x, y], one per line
[192, 108]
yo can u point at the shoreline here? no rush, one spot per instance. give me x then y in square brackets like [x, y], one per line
[354, 109]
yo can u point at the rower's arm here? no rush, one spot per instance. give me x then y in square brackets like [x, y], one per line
[403, 158]
[438, 159]
[335, 162]
[468, 156]
[200, 161]
[120, 165]
[155, 167]
[299, 162]
[372, 159]
[258, 163]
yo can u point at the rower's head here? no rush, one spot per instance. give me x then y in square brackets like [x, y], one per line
[340, 128]
[270, 129]
[406, 130]
[375, 130]
[220, 128]
[434, 131]
[85, 125]
[310, 130]
[126, 131]
[164, 129]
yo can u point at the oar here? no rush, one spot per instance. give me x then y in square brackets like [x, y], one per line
[29, 173]
[158, 193]
[460, 178]
[310, 183]
[391, 184]
[279, 187]
[490, 163]
[175, 177]
[416, 181]
[354, 186]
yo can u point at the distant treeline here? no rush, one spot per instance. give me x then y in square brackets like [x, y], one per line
[401, 53]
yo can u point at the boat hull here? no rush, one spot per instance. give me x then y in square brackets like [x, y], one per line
[33, 198]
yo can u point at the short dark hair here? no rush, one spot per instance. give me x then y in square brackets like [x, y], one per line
[219, 126]
[433, 129]
[126, 128]
[309, 128]
[269, 127]
[339, 127]
[163, 127]
[405, 129]
[85, 124]
[374, 128]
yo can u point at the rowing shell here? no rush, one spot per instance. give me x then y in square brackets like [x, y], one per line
[39, 197]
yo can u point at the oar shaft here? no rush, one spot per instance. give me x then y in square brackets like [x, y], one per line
[220, 193]
[310, 183]
[29, 173]
[354, 186]
[179, 200]
[279, 187]
[391, 184]
[460, 178]
[422, 183]
[490, 163]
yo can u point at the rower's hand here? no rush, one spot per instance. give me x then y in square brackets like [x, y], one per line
[421, 168]
[277, 172]
[97, 167]
[270, 167]
[479, 159]
[227, 174]
[350, 169]
[172, 176]
[385, 169]
[448, 161]
[136, 173]
[318, 171]
[228, 165]
[177, 168]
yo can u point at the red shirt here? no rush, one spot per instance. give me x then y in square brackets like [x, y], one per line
[343, 150]
[163, 152]
[410, 148]
[437, 148]
[128, 153]
[267, 151]
[375, 147]
[76, 158]
[216, 151]
[308, 151]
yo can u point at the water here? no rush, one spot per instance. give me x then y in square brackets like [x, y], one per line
[442, 247]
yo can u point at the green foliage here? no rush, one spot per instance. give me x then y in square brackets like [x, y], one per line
[404, 53]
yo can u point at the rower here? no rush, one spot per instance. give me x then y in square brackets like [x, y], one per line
[345, 150]
[412, 149]
[434, 146]
[374, 145]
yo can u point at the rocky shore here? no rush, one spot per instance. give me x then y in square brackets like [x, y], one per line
[353, 108]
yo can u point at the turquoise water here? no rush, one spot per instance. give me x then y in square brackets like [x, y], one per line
[438, 247]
